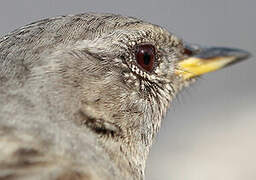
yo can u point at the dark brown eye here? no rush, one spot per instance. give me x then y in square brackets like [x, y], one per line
[145, 56]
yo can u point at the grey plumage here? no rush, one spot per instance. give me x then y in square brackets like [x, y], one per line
[73, 102]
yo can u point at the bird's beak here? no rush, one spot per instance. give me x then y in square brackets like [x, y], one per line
[203, 60]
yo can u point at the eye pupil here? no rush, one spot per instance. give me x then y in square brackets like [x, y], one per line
[147, 59]
[145, 56]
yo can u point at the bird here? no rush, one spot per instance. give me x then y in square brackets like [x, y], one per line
[82, 96]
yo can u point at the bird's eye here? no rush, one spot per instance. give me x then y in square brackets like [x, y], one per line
[145, 56]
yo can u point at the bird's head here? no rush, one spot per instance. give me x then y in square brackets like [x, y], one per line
[124, 73]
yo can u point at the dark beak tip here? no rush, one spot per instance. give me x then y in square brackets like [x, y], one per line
[212, 52]
[239, 53]
[245, 54]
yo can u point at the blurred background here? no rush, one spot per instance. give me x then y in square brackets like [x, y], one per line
[210, 130]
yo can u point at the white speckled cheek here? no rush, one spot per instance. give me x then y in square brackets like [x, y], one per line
[164, 69]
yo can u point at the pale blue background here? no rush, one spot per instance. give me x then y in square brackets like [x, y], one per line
[210, 133]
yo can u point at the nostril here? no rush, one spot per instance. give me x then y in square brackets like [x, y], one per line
[188, 52]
